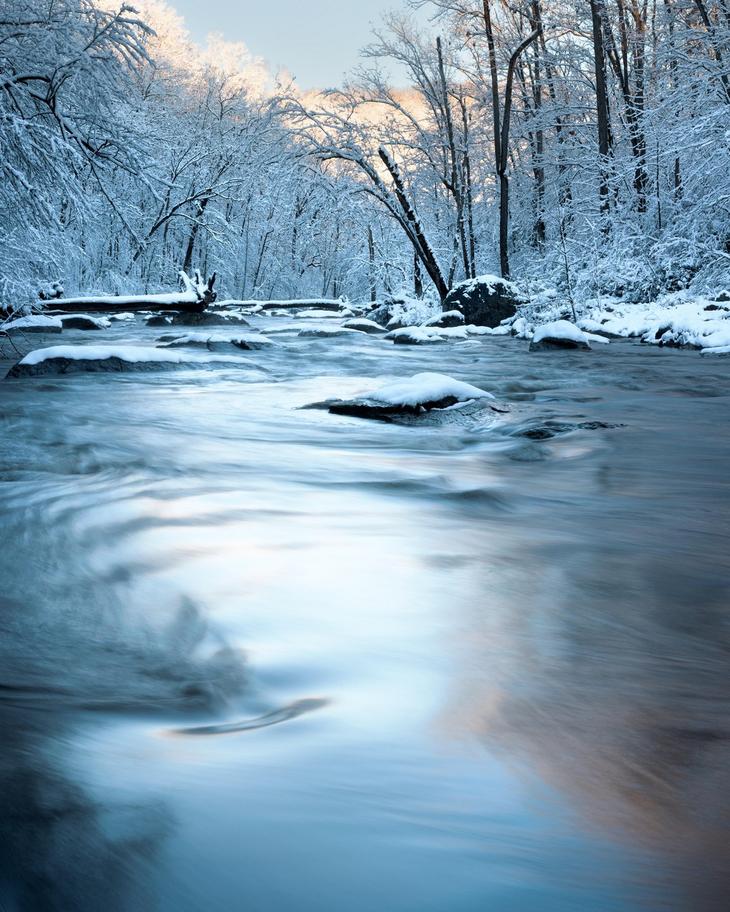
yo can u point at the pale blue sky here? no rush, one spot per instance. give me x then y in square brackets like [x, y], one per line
[316, 40]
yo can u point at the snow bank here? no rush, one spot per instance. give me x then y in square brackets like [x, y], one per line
[426, 387]
[680, 319]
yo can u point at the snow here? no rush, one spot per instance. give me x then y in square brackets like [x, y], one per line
[448, 332]
[416, 334]
[426, 387]
[315, 314]
[126, 317]
[678, 319]
[452, 314]
[35, 320]
[177, 297]
[563, 329]
[99, 322]
[492, 282]
[363, 325]
[474, 330]
[235, 337]
[131, 353]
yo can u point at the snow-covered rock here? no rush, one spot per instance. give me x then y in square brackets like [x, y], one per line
[446, 319]
[121, 317]
[65, 359]
[157, 320]
[35, 323]
[363, 325]
[410, 397]
[84, 321]
[485, 300]
[563, 334]
[415, 335]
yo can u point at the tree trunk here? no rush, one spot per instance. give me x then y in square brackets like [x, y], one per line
[602, 110]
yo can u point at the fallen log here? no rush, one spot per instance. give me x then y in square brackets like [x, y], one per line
[196, 296]
[181, 301]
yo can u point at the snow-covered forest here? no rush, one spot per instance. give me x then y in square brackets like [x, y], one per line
[582, 145]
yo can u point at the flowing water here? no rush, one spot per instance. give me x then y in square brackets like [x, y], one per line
[263, 658]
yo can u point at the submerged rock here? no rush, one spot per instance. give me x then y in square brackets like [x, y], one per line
[485, 300]
[327, 332]
[553, 428]
[219, 342]
[158, 320]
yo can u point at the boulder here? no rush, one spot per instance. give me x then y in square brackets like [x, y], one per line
[563, 335]
[415, 397]
[363, 325]
[158, 320]
[82, 321]
[67, 359]
[36, 323]
[447, 319]
[484, 301]
[414, 335]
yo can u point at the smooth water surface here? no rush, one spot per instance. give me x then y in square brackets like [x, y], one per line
[264, 658]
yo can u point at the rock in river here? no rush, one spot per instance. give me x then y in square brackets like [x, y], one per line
[563, 335]
[68, 359]
[414, 398]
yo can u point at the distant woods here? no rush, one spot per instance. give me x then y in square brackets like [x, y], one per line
[583, 142]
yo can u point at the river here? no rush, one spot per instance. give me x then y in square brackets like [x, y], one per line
[264, 658]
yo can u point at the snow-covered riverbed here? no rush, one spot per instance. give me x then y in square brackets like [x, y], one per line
[459, 667]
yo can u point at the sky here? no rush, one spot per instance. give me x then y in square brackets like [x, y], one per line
[317, 41]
